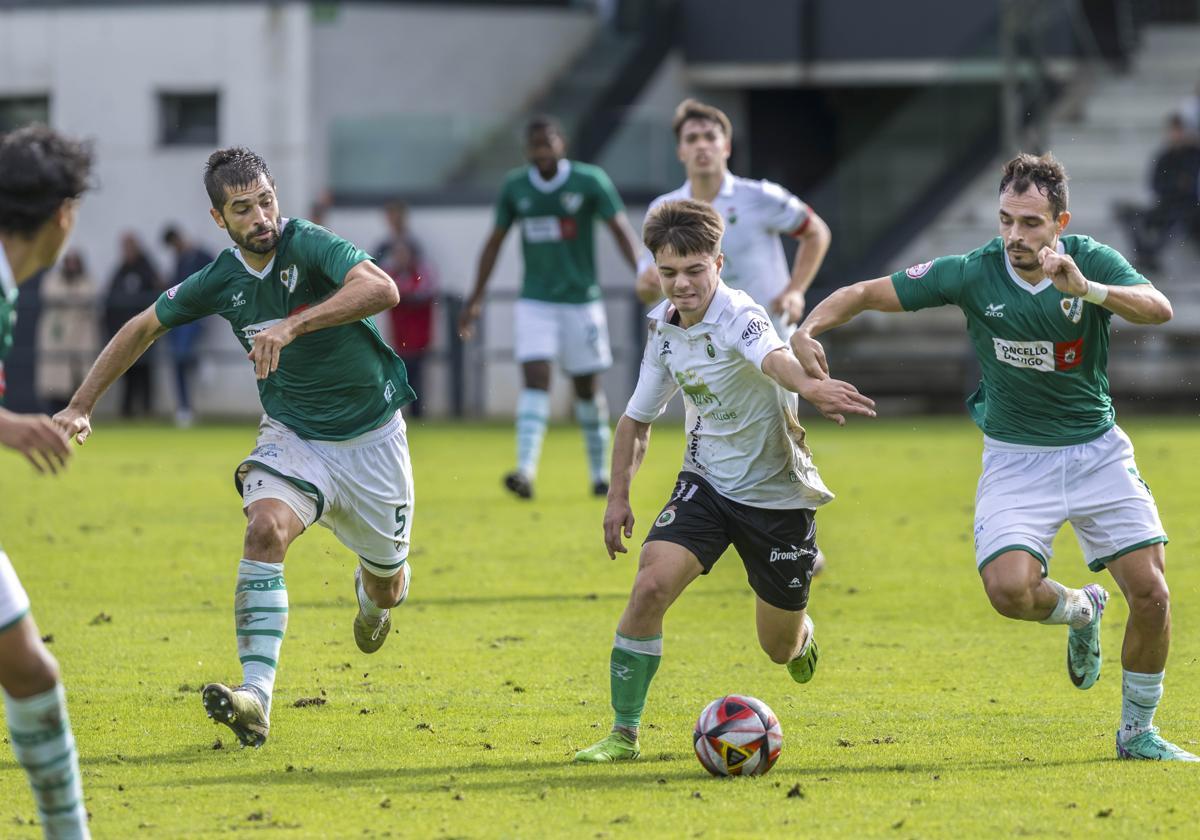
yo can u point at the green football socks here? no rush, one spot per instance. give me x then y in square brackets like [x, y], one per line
[632, 666]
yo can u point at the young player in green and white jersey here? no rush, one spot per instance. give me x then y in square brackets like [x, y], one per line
[332, 445]
[1038, 305]
[42, 175]
[560, 314]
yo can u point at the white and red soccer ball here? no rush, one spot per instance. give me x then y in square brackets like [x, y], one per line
[737, 735]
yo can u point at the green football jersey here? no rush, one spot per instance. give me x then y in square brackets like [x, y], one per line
[332, 384]
[8, 315]
[556, 219]
[1043, 355]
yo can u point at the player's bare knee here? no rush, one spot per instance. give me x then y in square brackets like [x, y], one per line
[1010, 599]
[384, 593]
[34, 672]
[1150, 600]
[651, 596]
[267, 535]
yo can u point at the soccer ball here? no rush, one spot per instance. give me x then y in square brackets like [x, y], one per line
[737, 735]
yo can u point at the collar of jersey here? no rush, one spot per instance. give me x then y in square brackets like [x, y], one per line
[560, 177]
[726, 186]
[716, 308]
[1045, 283]
[237, 252]
[8, 283]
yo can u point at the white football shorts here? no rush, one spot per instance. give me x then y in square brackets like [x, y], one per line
[1026, 493]
[576, 334]
[361, 489]
[14, 603]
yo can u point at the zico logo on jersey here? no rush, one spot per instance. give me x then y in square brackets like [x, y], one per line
[1042, 356]
[537, 229]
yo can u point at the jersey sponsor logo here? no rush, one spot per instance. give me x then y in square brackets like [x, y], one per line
[572, 201]
[248, 332]
[289, 277]
[171, 292]
[696, 388]
[723, 416]
[919, 270]
[238, 299]
[994, 310]
[539, 229]
[754, 329]
[792, 553]
[1043, 356]
[1072, 309]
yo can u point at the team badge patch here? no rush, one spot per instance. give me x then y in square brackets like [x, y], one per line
[919, 270]
[754, 329]
[171, 292]
[1072, 309]
[289, 276]
[572, 201]
[666, 517]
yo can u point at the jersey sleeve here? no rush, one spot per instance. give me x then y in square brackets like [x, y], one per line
[330, 254]
[1102, 264]
[782, 211]
[187, 301]
[655, 386]
[608, 203]
[754, 335]
[505, 211]
[927, 284]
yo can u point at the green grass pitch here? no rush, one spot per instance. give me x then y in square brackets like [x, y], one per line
[930, 716]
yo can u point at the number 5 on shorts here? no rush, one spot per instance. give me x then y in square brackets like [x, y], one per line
[401, 522]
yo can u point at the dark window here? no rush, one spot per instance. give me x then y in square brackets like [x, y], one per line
[16, 111]
[187, 119]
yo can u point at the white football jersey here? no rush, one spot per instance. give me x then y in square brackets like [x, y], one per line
[742, 432]
[756, 214]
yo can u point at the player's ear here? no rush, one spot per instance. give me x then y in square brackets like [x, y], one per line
[719, 261]
[1064, 219]
[217, 217]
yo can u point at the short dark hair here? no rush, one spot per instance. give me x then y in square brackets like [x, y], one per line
[39, 170]
[1042, 171]
[686, 227]
[543, 122]
[231, 168]
[694, 109]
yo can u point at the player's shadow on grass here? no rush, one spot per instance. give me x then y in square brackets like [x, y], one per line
[520, 598]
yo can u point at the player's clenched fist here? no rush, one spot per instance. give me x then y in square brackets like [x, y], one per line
[37, 438]
[268, 345]
[74, 424]
[1063, 272]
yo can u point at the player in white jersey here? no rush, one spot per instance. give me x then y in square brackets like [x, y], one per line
[42, 175]
[748, 478]
[756, 214]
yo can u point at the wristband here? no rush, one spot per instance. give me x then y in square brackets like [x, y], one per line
[1096, 293]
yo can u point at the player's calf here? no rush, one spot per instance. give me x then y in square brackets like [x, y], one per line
[373, 622]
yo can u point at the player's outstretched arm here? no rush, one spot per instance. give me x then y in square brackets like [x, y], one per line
[814, 244]
[837, 309]
[630, 443]
[366, 289]
[474, 302]
[1141, 304]
[37, 437]
[832, 397]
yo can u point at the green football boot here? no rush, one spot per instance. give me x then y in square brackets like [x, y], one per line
[238, 708]
[1083, 645]
[614, 747]
[1150, 746]
[804, 666]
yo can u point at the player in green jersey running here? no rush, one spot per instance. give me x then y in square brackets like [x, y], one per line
[560, 314]
[331, 447]
[1038, 305]
[42, 175]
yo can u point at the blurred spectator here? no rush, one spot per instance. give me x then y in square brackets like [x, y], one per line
[411, 319]
[1189, 111]
[1175, 183]
[68, 331]
[133, 287]
[189, 258]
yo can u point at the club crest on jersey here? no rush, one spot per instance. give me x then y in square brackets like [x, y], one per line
[288, 277]
[919, 270]
[1072, 309]
[174, 290]
[572, 201]
[666, 517]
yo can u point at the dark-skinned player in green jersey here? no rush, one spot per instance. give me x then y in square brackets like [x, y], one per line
[559, 315]
[1038, 305]
[332, 446]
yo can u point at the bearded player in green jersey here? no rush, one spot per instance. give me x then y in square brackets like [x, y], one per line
[331, 447]
[42, 175]
[1038, 305]
[560, 314]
